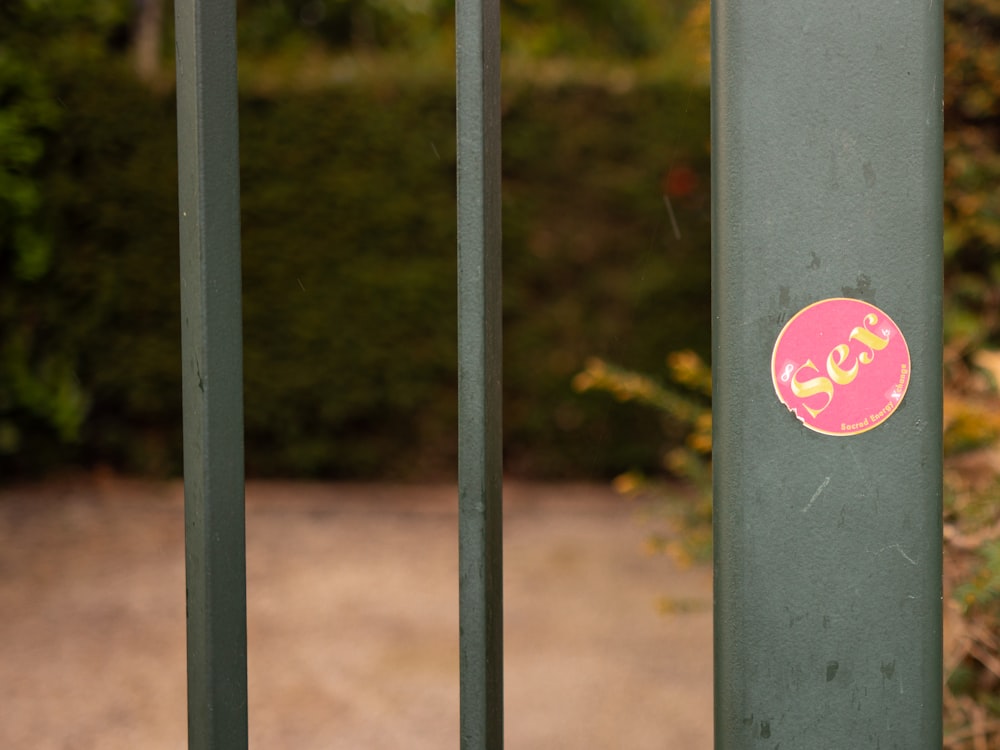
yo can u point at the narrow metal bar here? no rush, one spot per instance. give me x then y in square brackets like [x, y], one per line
[827, 184]
[480, 368]
[212, 353]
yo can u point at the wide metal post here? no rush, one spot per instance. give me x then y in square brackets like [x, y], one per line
[827, 186]
[480, 374]
[212, 352]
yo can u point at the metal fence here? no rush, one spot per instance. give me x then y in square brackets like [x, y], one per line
[208, 163]
[826, 147]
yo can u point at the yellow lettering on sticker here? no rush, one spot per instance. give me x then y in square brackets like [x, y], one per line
[868, 338]
[834, 361]
[812, 387]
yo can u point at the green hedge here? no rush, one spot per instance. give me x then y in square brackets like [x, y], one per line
[349, 274]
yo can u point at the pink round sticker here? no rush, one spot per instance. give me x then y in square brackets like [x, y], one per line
[841, 366]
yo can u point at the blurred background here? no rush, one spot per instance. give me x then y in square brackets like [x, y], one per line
[348, 169]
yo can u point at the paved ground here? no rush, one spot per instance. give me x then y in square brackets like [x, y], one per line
[353, 621]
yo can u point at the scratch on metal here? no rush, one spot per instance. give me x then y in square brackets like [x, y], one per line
[899, 548]
[816, 494]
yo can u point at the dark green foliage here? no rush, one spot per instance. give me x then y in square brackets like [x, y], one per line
[358, 24]
[972, 169]
[592, 266]
[622, 29]
[41, 399]
[349, 280]
[625, 28]
[349, 274]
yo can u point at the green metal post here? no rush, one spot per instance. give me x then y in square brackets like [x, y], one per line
[208, 163]
[480, 369]
[827, 178]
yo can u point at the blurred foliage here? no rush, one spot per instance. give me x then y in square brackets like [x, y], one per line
[268, 26]
[972, 173]
[347, 150]
[625, 29]
[972, 370]
[685, 406]
[349, 273]
[39, 389]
